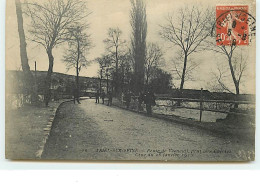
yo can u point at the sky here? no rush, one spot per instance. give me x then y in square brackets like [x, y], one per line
[115, 13]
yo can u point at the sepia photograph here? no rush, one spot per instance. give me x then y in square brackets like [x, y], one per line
[130, 80]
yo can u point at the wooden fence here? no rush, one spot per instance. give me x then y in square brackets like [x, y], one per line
[201, 101]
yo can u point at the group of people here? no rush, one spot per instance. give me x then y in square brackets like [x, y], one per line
[149, 100]
[147, 97]
[102, 95]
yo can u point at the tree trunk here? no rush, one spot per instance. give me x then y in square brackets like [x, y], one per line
[116, 74]
[107, 85]
[237, 89]
[183, 72]
[147, 80]
[122, 78]
[236, 83]
[139, 75]
[28, 82]
[182, 78]
[100, 80]
[77, 69]
[237, 94]
[47, 94]
[147, 75]
[77, 79]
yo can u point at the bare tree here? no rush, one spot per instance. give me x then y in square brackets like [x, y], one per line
[219, 82]
[114, 45]
[125, 70]
[23, 54]
[178, 68]
[154, 57]
[138, 41]
[237, 64]
[49, 27]
[104, 62]
[187, 32]
[79, 44]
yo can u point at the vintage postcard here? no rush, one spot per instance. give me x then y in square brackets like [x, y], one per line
[130, 80]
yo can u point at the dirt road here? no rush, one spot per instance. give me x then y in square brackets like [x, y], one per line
[90, 131]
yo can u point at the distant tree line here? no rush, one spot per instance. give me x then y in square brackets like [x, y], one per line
[134, 66]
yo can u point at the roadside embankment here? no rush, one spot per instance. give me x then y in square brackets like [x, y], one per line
[241, 127]
[27, 129]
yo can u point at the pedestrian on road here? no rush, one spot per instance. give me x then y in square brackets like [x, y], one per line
[103, 95]
[128, 99]
[149, 100]
[140, 101]
[75, 95]
[97, 96]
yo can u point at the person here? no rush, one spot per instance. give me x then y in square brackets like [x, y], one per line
[97, 96]
[128, 99]
[109, 94]
[149, 100]
[103, 95]
[75, 95]
[122, 98]
[140, 101]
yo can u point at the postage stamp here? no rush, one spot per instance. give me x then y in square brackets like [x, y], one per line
[232, 25]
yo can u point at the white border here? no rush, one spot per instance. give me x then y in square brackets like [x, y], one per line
[10, 165]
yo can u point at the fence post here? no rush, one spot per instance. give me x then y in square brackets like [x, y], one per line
[201, 103]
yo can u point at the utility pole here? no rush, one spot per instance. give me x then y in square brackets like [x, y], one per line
[35, 67]
[201, 103]
[35, 78]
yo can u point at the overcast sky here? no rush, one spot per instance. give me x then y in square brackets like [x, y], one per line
[115, 13]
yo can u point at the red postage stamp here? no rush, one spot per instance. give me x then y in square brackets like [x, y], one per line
[232, 25]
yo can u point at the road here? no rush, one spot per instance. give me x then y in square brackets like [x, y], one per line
[90, 131]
